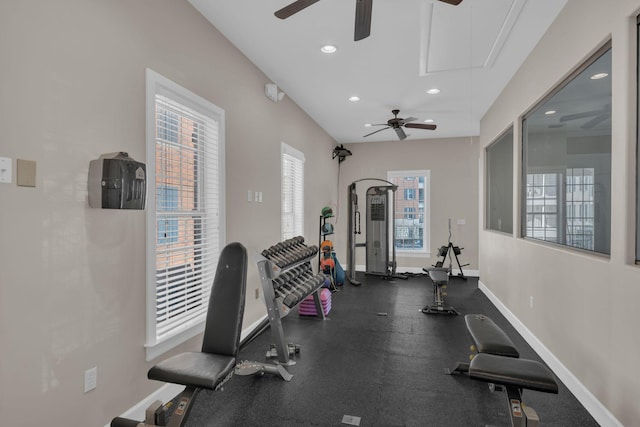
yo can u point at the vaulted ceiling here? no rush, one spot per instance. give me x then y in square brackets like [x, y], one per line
[469, 52]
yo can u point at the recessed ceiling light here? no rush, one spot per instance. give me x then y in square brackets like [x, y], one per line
[433, 91]
[429, 121]
[354, 98]
[328, 48]
[367, 125]
[550, 112]
[599, 76]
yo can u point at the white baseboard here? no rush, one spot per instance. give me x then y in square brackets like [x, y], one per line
[169, 391]
[597, 410]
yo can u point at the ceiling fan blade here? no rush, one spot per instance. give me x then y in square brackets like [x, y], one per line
[294, 7]
[452, 2]
[577, 116]
[400, 133]
[379, 130]
[596, 120]
[363, 19]
[409, 119]
[420, 126]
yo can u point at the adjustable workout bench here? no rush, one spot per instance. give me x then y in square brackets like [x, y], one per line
[498, 363]
[440, 278]
[214, 365]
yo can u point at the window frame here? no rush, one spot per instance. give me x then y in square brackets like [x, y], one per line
[637, 254]
[588, 62]
[422, 208]
[157, 84]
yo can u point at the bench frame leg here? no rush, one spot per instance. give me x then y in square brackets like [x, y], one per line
[438, 298]
[460, 368]
[520, 414]
[177, 419]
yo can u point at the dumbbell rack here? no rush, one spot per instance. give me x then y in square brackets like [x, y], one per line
[287, 279]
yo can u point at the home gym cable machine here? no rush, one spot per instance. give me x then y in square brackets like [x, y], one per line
[380, 242]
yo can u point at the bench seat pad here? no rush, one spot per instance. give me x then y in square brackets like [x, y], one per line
[194, 369]
[488, 337]
[438, 275]
[509, 371]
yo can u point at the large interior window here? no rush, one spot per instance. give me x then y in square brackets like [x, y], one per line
[411, 216]
[185, 227]
[499, 193]
[292, 214]
[567, 161]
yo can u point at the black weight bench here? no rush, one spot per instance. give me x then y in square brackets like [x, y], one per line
[440, 278]
[211, 367]
[498, 363]
[515, 375]
[487, 338]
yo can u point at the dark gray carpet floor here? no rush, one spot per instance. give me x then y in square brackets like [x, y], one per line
[387, 370]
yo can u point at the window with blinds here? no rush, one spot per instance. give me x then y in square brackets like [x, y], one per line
[184, 221]
[292, 213]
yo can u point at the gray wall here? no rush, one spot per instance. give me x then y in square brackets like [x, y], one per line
[72, 278]
[453, 163]
[585, 313]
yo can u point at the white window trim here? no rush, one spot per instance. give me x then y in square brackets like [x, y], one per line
[156, 83]
[426, 252]
[289, 150]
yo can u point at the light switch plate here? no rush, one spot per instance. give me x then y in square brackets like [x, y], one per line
[5, 170]
[26, 173]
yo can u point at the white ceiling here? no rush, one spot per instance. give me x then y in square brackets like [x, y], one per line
[469, 52]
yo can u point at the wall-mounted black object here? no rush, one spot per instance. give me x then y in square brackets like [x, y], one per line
[116, 181]
[341, 153]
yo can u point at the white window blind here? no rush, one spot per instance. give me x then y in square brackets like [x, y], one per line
[185, 153]
[292, 192]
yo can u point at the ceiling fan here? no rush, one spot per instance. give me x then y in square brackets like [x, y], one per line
[363, 14]
[398, 123]
[596, 117]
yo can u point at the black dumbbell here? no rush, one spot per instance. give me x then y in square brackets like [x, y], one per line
[292, 289]
[273, 256]
[304, 286]
[290, 300]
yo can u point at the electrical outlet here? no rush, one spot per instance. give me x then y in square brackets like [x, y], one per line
[257, 293]
[90, 379]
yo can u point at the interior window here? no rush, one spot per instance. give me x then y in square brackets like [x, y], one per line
[499, 192]
[567, 161]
